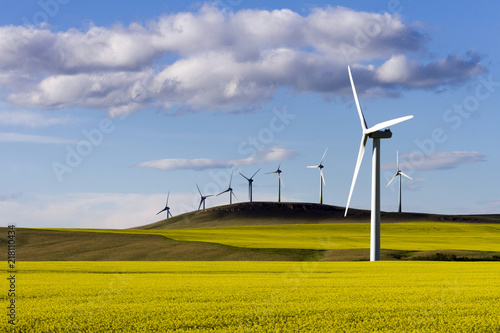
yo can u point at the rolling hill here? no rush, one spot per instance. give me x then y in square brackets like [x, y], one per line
[264, 231]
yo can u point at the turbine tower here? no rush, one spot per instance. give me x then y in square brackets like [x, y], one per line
[280, 182]
[166, 208]
[230, 190]
[399, 173]
[320, 166]
[203, 198]
[376, 134]
[250, 181]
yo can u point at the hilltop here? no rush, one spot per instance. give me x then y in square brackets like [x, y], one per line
[264, 231]
[272, 213]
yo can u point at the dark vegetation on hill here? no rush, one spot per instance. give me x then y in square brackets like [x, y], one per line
[267, 213]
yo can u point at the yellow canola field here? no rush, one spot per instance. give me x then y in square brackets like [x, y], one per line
[256, 297]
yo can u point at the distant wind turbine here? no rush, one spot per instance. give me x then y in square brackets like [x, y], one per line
[230, 190]
[376, 134]
[399, 173]
[166, 208]
[280, 181]
[320, 166]
[203, 198]
[250, 181]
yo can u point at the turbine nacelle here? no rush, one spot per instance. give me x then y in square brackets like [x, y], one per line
[203, 198]
[166, 207]
[320, 167]
[386, 134]
[230, 190]
[379, 131]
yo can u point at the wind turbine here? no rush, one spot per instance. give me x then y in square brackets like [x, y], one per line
[376, 134]
[230, 190]
[320, 166]
[166, 208]
[280, 182]
[250, 181]
[203, 198]
[399, 173]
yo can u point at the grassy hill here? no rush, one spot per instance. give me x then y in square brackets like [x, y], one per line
[273, 213]
[267, 231]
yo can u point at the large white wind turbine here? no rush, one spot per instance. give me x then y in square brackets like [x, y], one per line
[399, 173]
[166, 208]
[280, 182]
[250, 181]
[230, 190]
[320, 166]
[203, 198]
[376, 133]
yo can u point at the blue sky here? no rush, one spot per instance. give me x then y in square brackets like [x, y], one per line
[105, 107]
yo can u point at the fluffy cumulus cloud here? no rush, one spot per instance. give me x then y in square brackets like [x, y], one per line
[263, 155]
[216, 59]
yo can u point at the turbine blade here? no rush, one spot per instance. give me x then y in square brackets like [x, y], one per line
[244, 176]
[200, 204]
[281, 181]
[168, 213]
[360, 112]
[271, 172]
[223, 192]
[312, 166]
[199, 190]
[386, 124]
[406, 175]
[323, 156]
[168, 196]
[356, 170]
[161, 211]
[255, 174]
[322, 177]
[395, 176]
[210, 195]
[231, 179]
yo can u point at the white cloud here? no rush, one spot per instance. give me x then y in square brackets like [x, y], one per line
[110, 210]
[262, 156]
[217, 59]
[31, 119]
[10, 196]
[494, 203]
[32, 138]
[91, 210]
[436, 161]
[394, 70]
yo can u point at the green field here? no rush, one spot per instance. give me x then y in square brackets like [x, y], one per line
[408, 236]
[256, 297]
[420, 236]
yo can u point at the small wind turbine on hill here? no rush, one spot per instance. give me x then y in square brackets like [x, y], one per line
[203, 198]
[320, 166]
[376, 134]
[280, 182]
[250, 181]
[166, 208]
[230, 190]
[398, 173]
